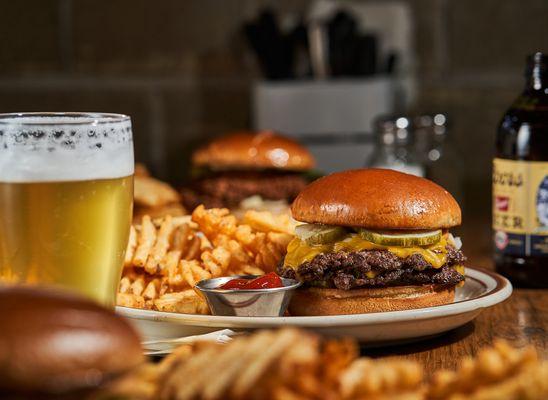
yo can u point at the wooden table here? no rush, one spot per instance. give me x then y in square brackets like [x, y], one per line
[522, 320]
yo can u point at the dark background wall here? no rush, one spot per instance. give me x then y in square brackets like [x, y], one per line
[182, 70]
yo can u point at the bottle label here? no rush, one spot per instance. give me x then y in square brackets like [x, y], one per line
[520, 207]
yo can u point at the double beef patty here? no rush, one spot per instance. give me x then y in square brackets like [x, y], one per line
[229, 188]
[348, 270]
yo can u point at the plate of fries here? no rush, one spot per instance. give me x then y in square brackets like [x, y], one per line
[167, 256]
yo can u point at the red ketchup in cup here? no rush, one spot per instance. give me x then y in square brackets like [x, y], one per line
[268, 281]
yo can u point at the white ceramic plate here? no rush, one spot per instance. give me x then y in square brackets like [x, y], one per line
[482, 289]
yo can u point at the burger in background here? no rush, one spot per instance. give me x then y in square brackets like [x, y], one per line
[262, 171]
[373, 240]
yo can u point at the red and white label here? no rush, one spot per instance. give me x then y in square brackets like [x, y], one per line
[502, 203]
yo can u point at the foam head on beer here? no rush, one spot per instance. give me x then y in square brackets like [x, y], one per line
[66, 192]
[76, 147]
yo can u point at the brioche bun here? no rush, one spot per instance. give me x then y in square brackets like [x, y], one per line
[56, 343]
[377, 199]
[317, 301]
[248, 150]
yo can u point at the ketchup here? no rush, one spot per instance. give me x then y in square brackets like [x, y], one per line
[268, 281]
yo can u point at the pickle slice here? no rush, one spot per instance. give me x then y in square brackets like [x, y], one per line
[314, 234]
[401, 239]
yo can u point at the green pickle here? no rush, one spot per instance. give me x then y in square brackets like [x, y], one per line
[401, 239]
[316, 234]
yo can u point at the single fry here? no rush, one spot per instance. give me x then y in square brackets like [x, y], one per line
[199, 273]
[131, 246]
[186, 302]
[138, 286]
[180, 237]
[161, 246]
[168, 266]
[130, 300]
[186, 268]
[125, 285]
[147, 237]
[151, 290]
[216, 261]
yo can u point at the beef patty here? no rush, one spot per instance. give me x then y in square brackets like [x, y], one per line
[229, 188]
[348, 270]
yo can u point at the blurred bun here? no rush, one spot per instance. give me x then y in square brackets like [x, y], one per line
[56, 343]
[376, 199]
[317, 301]
[259, 150]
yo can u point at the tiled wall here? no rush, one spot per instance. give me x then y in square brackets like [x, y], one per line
[182, 70]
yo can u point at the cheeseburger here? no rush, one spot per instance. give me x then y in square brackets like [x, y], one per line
[246, 169]
[373, 240]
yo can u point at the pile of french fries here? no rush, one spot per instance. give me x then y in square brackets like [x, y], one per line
[297, 365]
[166, 257]
[499, 372]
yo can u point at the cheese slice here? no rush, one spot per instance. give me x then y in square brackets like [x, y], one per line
[299, 252]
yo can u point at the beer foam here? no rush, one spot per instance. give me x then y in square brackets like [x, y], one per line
[65, 147]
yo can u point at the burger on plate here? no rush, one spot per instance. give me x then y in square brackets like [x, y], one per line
[373, 240]
[248, 170]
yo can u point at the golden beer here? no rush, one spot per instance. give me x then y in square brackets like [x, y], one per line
[69, 233]
[66, 196]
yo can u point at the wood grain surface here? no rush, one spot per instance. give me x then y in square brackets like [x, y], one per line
[522, 319]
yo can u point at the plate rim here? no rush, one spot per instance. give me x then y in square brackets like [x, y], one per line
[501, 289]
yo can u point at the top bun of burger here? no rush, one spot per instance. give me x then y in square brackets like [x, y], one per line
[377, 199]
[250, 150]
[55, 343]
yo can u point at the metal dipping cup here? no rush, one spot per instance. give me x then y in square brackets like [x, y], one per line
[246, 303]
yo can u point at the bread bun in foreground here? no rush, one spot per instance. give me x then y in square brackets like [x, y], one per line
[53, 343]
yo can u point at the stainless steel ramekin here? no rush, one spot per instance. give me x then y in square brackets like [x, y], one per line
[246, 303]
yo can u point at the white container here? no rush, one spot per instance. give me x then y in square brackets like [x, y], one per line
[322, 107]
[333, 109]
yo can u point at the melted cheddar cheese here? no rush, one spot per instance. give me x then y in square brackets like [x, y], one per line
[299, 252]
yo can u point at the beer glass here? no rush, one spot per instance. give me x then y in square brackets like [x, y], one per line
[66, 198]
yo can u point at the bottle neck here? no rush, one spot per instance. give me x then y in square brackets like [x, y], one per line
[536, 83]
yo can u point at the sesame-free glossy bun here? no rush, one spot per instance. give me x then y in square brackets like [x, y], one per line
[250, 150]
[55, 343]
[377, 199]
[317, 301]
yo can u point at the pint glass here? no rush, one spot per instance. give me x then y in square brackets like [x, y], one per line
[66, 197]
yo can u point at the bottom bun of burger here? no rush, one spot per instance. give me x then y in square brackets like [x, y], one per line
[52, 342]
[318, 301]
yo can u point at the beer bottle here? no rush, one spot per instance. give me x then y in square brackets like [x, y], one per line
[520, 182]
